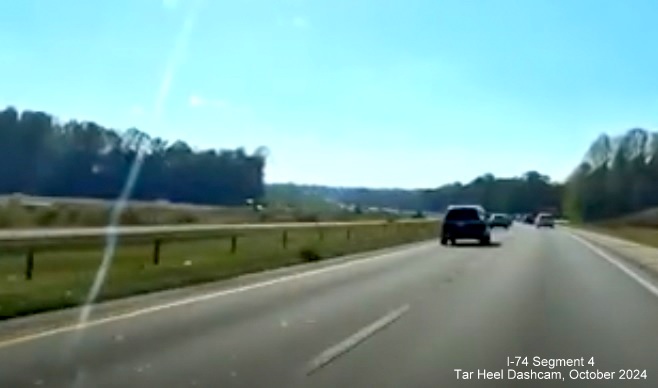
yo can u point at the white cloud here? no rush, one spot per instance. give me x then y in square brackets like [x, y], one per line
[198, 101]
[300, 22]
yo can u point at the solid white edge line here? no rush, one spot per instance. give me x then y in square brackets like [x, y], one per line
[204, 297]
[352, 341]
[617, 263]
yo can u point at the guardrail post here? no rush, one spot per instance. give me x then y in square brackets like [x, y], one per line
[234, 243]
[348, 234]
[156, 252]
[321, 234]
[29, 265]
[284, 239]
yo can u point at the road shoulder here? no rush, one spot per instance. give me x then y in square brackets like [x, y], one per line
[640, 256]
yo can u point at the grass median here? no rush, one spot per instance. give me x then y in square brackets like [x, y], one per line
[63, 278]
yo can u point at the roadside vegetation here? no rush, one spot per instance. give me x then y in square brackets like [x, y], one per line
[640, 227]
[83, 159]
[62, 278]
[617, 180]
[641, 235]
[528, 193]
[15, 213]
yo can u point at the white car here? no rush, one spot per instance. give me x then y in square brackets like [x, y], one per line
[544, 220]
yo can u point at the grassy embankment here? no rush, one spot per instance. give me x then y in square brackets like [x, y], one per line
[62, 277]
[60, 215]
[29, 212]
[640, 227]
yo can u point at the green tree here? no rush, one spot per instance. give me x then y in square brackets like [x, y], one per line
[84, 159]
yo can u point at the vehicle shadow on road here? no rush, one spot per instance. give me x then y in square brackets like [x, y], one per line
[475, 244]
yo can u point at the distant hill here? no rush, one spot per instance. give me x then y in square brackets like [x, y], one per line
[316, 195]
[618, 176]
[298, 196]
[531, 192]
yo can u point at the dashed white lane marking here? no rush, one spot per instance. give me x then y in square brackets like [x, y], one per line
[352, 341]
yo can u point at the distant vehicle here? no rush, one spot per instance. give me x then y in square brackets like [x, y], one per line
[529, 219]
[500, 220]
[545, 220]
[465, 222]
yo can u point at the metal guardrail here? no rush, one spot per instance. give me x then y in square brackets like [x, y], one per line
[29, 241]
[41, 235]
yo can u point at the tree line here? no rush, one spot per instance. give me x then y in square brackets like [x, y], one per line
[623, 186]
[41, 156]
[532, 192]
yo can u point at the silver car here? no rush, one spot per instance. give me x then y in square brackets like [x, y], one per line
[544, 220]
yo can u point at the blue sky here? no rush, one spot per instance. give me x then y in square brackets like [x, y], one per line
[399, 93]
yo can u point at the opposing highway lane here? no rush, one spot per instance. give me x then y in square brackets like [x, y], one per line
[423, 316]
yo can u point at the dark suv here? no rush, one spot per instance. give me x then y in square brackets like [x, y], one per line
[465, 222]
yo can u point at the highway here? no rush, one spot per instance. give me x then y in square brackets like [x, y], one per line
[406, 318]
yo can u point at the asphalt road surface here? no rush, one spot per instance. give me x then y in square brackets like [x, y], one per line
[408, 318]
